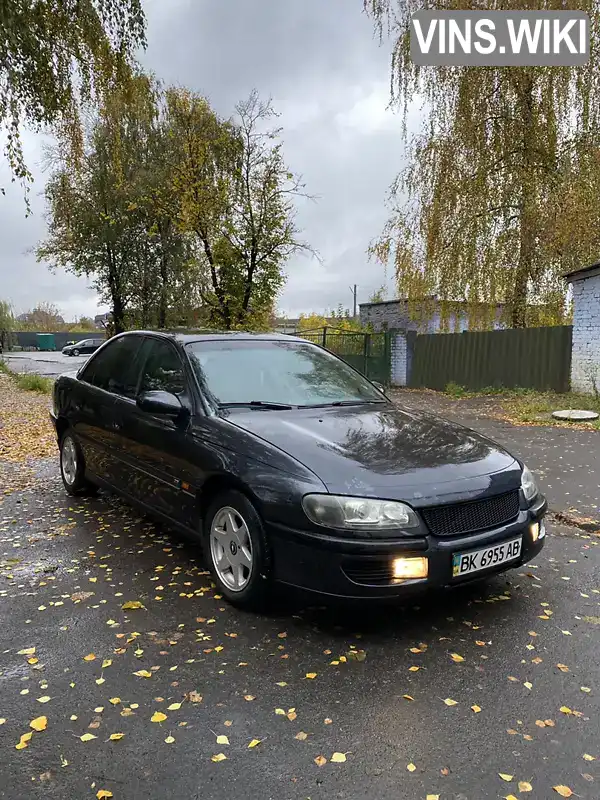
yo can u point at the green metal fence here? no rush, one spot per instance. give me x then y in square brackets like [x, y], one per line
[369, 353]
[532, 358]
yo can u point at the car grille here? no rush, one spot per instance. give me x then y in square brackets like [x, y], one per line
[478, 515]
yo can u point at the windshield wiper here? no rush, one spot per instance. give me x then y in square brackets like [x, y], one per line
[344, 403]
[258, 404]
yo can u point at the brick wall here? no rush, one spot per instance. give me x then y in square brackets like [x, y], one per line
[398, 373]
[585, 361]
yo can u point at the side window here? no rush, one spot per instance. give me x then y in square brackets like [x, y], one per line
[116, 368]
[162, 370]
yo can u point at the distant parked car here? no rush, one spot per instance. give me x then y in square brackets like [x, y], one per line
[84, 347]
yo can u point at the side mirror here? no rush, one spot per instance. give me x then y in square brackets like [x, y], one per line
[162, 403]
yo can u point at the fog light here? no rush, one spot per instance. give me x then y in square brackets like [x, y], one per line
[537, 530]
[405, 568]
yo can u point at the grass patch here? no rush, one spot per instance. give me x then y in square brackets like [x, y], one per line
[537, 407]
[34, 383]
[531, 406]
[28, 382]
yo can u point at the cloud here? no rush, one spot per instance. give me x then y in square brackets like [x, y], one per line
[329, 80]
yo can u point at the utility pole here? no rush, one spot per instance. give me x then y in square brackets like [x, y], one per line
[353, 290]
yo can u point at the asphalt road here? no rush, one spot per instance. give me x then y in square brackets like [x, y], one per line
[402, 708]
[50, 365]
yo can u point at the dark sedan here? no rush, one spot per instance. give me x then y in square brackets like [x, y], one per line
[82, 348]
[291, 467]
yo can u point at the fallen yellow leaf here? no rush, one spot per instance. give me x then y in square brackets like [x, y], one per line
[432, 797]
[114, 737]
[505, 777]
[44, 699]
[411, 767]
[450, 702]
[158, 716]
[280, 712]
[528, 685]
[414, 669]
[28, 651]
[291, 715]
[101, 794]
[311, 675]
[170, 739]
[249, 697]
[563, 667]
[320, 761]
[143, 673]
[90, 657]
[100, 681]
[281, 683]
[338, 758]
[588, 757]
[106, 663]
[115, 701]
[254, 743]
[525, 786]
[174, 707]
[39, 723]
[476, 709]
[219, 757]
[511, 797]
[301, 736]
[407, 697]
[131, 605]
[563, 791]
[222, 740]
[327, 721]
[456, 658]
[565, 710]
[87, 737]
[2, 720]
[23, 741]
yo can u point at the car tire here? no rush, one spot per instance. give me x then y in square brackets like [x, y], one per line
[75, 353]
[237, 550]
[72, 467]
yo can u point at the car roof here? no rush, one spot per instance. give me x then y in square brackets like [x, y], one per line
[223, 336]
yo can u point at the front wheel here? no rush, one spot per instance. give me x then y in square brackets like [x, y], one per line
[72, 467]
[75, 353]
[237, 550]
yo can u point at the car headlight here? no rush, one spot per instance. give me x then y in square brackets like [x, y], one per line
[528, 484]
[358, 513]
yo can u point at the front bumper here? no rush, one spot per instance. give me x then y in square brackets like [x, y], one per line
[353, 568]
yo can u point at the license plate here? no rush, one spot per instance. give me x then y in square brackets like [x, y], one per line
[476, 560]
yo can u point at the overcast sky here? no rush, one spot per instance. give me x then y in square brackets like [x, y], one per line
[329, 80]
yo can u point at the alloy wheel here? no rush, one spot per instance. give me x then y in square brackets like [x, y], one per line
[68, 460]
[231, 548]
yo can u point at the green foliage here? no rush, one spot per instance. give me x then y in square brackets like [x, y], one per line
[4, 370]
[177, 216]
[106, 217]
[7, 324]
[45, 318]
[454, 390]
[499, 197]
[379, 295]
[56, 56]
[235, 196]
[34, 383]
[334, 321]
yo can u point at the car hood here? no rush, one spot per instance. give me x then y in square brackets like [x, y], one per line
[387, 450]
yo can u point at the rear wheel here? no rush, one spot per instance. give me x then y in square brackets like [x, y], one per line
[72, 467]
[237, 550]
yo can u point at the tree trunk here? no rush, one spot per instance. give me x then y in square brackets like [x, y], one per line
[527, 227]
[118, 303]
[164, 278]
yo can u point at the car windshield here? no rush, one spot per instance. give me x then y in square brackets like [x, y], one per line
[277, 372]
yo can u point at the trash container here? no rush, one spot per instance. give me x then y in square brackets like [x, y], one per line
[45, 341]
